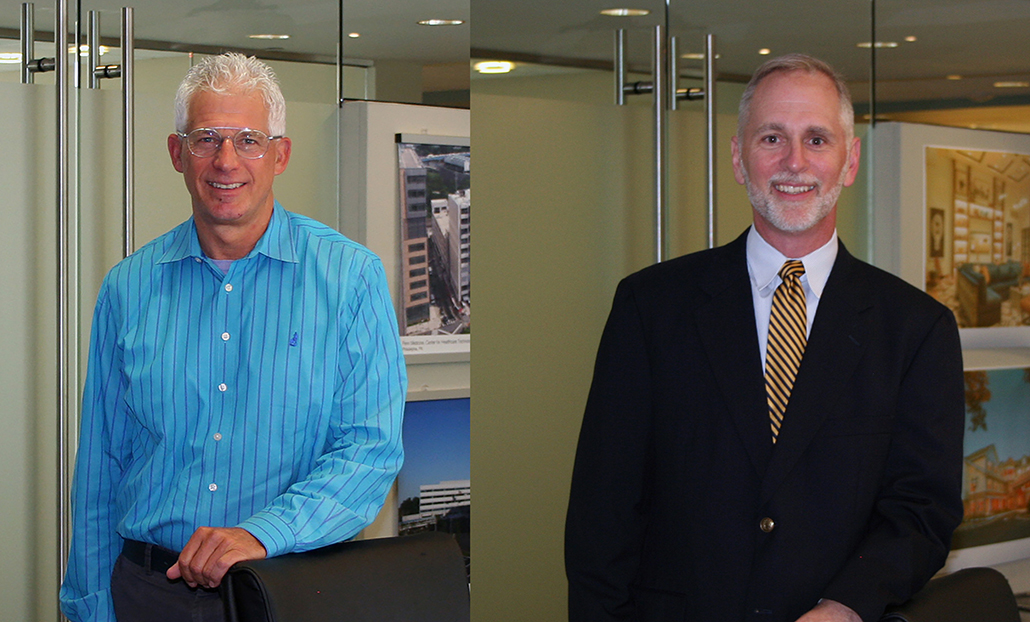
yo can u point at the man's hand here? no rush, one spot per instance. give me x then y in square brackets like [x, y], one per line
[830, 611]
[210, 553]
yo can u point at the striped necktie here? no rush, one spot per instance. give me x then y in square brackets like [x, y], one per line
[787, 338]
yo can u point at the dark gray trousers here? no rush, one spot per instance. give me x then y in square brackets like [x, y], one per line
[142, 593]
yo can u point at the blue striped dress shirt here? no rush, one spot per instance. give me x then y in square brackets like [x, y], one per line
[268, 398]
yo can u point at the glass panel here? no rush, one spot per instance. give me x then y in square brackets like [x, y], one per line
[953, 62]
[393, 57]
[745, 37]
[28, 445]
[564, 189]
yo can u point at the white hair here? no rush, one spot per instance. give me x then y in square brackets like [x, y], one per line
[232, 73]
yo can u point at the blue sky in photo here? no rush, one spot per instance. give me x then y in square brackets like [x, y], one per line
[436, 444]
[1008, 416]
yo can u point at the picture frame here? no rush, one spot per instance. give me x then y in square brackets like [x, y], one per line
[996, 469]
[434, 223]
[434, 486]
[925, 169]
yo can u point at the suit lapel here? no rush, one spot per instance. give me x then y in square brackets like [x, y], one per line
[727, 329]
[834, 349]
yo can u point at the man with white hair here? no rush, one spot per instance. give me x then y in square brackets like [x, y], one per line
[246, 382]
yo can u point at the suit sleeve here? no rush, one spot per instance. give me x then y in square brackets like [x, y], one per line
[919, 503]
[610, 482]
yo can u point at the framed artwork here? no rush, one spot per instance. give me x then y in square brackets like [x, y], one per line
[936, 232]
[435, 301]
[981, 189]
[996, 470]
[961, 180]
[434, 485]
[984, 279]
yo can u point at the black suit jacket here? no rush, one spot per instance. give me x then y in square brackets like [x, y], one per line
[675, 469]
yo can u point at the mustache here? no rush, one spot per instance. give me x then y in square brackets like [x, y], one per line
[792, 180]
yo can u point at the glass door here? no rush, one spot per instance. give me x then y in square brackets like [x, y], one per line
[385, 53]
[566, 182]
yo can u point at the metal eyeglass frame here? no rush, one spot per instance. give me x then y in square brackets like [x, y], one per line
[222, 139]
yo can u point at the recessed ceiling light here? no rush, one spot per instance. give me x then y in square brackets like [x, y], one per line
[10, 58]
[441, 22]
[269, 37]
[698, 55]
[878, 44]
[954, 76]
[1011, 84]
[354, 35]
[910, 38]
[625, 12]
[494, 66]
[765, 51]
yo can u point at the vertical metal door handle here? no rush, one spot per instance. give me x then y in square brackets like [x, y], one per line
[129, 124]
[710, 116]
[28, 41]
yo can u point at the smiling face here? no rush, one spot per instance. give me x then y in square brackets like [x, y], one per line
[229, 193]
[794, 156]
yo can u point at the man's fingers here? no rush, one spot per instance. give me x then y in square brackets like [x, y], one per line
[210, 553]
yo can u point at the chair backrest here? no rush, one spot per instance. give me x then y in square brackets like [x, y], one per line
[981, 594]
[419, 578]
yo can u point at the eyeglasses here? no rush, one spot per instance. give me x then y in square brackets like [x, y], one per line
[205, 142]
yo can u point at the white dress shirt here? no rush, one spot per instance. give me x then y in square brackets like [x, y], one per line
[763, 267]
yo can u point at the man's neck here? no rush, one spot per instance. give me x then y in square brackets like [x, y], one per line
[230, 241]
[797, 244]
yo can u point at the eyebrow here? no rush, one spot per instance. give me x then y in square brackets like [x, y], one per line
[779, 127]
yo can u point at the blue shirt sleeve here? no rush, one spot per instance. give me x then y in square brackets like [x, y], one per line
[346, 489]
[86, 592]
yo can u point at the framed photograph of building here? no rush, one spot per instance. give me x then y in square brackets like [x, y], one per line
[434, 485]
[435, 302]
[996, 469]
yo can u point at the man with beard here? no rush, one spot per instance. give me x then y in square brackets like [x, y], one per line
[774, 428]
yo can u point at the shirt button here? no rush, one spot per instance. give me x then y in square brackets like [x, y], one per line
[222, 387]
[225, 336]
[218, 436]
[767, 524]
[228, 287]
[197, 259]
[212, 487]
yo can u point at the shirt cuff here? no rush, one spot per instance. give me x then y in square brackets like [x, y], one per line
[272, 532]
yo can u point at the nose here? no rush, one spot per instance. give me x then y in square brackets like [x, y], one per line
[796, 158]
[226, 156]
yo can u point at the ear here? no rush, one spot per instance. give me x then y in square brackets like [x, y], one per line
[854, 155]
[175, 151]
[282, 154]
[738, 171]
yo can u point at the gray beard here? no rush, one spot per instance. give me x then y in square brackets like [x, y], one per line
[792, 220]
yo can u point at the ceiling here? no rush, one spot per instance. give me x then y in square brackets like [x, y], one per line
[984, 41]
[389, 29]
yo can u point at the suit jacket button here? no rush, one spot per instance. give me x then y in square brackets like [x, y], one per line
[767, 524]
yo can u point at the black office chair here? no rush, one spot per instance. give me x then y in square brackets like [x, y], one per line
[419, 578]
[969, 595]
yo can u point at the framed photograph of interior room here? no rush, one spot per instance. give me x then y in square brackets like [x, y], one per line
[952, 217]
[435, 311]
[996, 470]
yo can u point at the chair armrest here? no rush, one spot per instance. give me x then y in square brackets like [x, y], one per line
[981, 594]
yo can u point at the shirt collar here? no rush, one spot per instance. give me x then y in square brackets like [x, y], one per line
[764, 263]
[276, 242]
